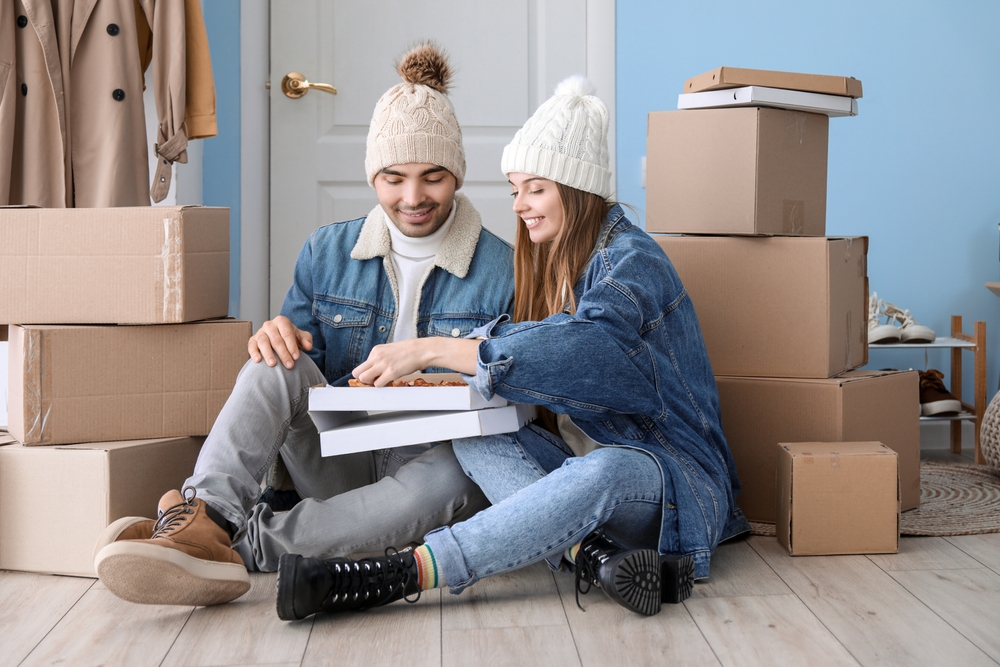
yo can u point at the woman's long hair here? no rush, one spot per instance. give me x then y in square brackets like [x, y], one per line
[545, 273]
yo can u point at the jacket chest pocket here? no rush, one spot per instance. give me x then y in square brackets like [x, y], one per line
[347, 331]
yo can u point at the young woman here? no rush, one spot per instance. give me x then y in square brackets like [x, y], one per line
[626, 475]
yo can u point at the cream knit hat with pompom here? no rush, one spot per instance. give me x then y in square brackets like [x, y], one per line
[566, 140]
[414, 121]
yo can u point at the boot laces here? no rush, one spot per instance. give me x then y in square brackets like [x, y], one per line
[588, 562]
[374, 580]
[172, 517]
[933, 379]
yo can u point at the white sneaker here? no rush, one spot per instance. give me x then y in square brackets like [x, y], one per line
[880, 329]
[910, 331]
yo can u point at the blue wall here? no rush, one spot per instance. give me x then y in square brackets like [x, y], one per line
[917, 171]
[221, 180]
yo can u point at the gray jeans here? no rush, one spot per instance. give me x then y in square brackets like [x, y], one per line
[355, 503]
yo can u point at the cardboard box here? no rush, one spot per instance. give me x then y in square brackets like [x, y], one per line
[98, 383]
[777, 306]
[348, 432]
[327, 398]
[777, 98]
[55, 501]
[861, 406]
[737, 171]
[141, 265]
[837, 498]
[732, 77]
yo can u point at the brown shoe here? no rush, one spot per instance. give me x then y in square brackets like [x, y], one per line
[935, 399]
[188, 559]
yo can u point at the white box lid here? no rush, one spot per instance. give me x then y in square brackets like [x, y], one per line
[346, 433]
[340, 399]
[761, 96]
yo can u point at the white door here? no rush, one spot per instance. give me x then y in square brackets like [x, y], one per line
[508, 57]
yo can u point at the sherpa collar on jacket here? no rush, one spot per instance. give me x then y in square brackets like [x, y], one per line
[457, 250]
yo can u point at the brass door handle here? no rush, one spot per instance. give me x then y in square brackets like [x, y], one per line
[295, 85]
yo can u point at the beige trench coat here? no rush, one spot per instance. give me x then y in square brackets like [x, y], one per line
[72, 123]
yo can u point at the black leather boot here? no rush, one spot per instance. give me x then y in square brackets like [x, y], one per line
[637, 579]
[310, 585]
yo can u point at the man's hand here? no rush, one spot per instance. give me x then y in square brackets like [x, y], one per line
[279, 339]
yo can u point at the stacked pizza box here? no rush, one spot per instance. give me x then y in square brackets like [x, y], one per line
[736, 183]
[415, 409]
[120, 357]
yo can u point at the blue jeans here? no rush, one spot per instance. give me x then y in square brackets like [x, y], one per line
[544, 501]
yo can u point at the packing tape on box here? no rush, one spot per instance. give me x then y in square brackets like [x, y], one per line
[172, 267]
[36, 410]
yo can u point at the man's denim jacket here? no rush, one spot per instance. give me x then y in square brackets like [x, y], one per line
[345, 291]
[631, 369]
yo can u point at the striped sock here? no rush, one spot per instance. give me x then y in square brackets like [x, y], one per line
[428, 576]
[570, 554]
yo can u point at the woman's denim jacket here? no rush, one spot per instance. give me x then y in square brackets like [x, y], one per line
[631, 369]
[345, 294]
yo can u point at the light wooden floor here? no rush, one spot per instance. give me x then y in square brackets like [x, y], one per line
[936, 602]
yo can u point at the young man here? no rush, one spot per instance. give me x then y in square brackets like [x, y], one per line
[420, 264]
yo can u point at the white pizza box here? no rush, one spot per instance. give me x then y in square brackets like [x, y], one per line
[760, 96]
[385, 399]
[349, 432]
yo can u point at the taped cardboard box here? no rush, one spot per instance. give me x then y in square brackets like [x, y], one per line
[860, 406]
[55, 501]
[837, 498]
[140, 265]
[749, 171]
[98, 383]
[733, 77]
[777, 306]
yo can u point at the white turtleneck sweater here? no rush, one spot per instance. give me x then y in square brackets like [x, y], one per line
[411, 257]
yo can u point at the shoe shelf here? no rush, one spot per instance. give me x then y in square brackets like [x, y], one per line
[959, 342]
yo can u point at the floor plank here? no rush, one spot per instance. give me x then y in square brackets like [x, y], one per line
[30, 606]
[101, 629]
[924, 553]
[524, 598]
[873, 616]
[968, 599]
[607, 634]
[397, 634]
[984, 548]
[737, 570]
[767, 630]
[514, 646]
[243, 632]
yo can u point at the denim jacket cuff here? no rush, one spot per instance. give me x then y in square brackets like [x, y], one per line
[488, 376]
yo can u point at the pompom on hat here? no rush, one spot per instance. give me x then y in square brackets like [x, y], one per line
[414, 121]
[566, 140]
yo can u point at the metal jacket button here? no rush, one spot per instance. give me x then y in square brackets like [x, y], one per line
[382, 329]
[118, 94]
[337, 318]
[456, 332]
[24, 89]
[22, 21]
[113, 29]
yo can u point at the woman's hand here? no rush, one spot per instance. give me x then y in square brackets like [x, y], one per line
[392, 361]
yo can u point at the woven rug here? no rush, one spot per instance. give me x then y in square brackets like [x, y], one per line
[955, 499]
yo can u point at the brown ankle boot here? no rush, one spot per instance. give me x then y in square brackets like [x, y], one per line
[187, 559]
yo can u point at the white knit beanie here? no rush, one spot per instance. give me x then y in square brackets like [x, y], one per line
[414, 121]
[566, 141]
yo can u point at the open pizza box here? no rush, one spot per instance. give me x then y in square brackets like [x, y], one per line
[358, 419]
